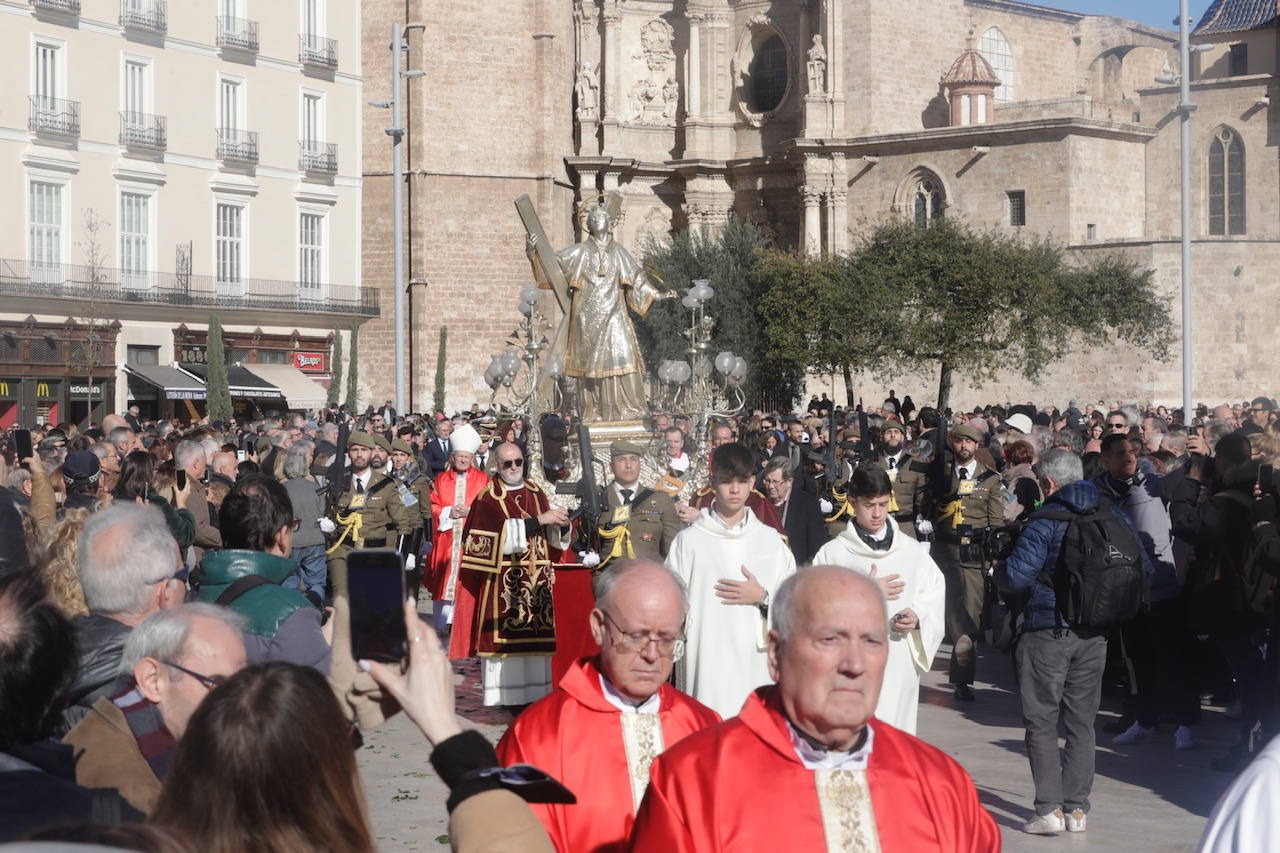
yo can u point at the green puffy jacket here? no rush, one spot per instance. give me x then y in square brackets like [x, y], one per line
[265, 606]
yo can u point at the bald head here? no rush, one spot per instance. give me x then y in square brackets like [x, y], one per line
[827, 652]
[111, 422]
[224, 463]
[638, 618]
[627, 579]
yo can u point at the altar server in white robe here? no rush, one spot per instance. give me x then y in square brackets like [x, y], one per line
[910, 578]
[732, 564]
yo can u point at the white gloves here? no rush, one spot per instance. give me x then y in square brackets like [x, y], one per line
[589, 559]
[826, 506]
[410, 562]
[924, 526]
[514, 540]
[327, 525]
[446, 519]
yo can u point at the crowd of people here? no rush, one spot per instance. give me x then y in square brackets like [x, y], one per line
[759, 601]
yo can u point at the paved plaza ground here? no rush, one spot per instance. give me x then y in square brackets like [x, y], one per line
[1146, 798]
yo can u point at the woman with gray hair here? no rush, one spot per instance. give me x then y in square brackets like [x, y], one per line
[308, 507]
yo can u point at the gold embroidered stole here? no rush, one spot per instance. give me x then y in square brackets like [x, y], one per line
[642, 737]
[459, 495]
[848, 821]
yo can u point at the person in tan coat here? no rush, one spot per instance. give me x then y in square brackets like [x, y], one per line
[173, 659]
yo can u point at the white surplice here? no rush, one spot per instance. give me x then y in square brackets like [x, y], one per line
[725, 647]
[911, 654]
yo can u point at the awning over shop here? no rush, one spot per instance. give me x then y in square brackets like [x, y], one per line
[300, 391]
[173, 383]
[240, 382]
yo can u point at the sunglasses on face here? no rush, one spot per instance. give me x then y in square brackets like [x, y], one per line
[512, 463]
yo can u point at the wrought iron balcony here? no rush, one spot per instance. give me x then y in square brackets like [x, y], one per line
[317, 156]
[143, 130]
[66, 7]
[54, 115]
[318, 51]
[239, 145]
[149, 15]
[83, 283]
[238, 33]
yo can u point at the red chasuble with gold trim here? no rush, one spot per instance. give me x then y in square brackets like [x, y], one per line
[741, 786]
[504, 602]
[582, 739]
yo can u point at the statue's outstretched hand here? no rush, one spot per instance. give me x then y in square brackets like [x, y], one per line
[530, 245]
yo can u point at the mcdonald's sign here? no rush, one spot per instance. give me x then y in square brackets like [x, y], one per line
[42, 389]
[4, 389]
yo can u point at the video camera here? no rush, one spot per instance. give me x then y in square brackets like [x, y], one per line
[987, 544]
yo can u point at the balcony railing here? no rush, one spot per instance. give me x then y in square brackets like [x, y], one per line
[318, 51]
[149, 15]
[54, 115]
[237, 33]
[66, 7]
[239, 145]
[317, 156]
[143, 130]
[76, 282]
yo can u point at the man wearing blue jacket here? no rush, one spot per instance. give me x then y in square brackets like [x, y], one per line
[1059, 667]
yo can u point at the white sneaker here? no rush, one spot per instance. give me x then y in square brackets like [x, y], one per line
[1046, 824]
[1136, 733]
[1183, 739]
[1076, 820]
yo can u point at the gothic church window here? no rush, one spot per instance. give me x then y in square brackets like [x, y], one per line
[1226, 183]
[996, 50]
[929, 200]
[768, 75]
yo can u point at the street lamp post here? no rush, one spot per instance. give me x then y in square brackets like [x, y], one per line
[1185, 109]
[396, 132]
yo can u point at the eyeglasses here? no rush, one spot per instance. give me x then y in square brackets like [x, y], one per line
[512, 463]
[637, 641]
[209, 681]
[179, 574]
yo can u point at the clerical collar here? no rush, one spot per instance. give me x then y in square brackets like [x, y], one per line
[816, 757]
[625, 705]
[513, 488]
[881, 541]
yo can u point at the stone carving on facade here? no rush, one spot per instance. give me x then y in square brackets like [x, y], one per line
[707, 213]
[740, 62]
[817, 66]
[656, 225]
[654, 97]
[587, 90]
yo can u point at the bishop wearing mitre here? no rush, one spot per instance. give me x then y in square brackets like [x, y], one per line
[455, 489]
[613, 713]
[873, 545]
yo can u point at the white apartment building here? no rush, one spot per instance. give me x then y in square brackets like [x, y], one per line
[164, 162]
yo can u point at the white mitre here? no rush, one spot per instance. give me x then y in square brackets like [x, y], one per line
[465, 438]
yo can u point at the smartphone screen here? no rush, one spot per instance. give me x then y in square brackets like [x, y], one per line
[22, 443]
[241, 455]
[1266, 478]
[375, 586]
[180, 476]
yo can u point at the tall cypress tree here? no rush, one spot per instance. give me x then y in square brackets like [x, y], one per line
[335, 381]
[219, 402]
[438, 402]
[353, 372]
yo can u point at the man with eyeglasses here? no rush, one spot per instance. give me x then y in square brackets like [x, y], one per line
[616, 709]
[170, 663]
[503, 609]
[1259, 416]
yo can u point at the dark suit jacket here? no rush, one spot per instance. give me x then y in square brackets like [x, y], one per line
[437, 459]
[806, 529]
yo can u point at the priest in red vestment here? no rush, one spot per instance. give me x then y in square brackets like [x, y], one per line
[455, 489]
[805, 766]
[504, 612]
[611, 715]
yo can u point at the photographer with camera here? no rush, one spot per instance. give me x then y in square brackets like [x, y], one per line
[1067, 603]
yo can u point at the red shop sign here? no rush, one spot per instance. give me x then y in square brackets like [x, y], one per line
[313, 361]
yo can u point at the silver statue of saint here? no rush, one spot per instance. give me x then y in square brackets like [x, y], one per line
[601, 351]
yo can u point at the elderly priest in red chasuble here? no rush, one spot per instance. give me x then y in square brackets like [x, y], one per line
[503, 611]
[612, 714]
[805, 765]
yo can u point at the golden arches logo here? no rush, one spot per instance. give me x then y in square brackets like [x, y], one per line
[42, 389]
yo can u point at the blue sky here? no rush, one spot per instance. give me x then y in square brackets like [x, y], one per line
[1157, 13]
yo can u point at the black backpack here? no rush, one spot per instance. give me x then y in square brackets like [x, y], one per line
[1100, 580]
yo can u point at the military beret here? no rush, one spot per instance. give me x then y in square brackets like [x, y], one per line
[381, 441]
[622, 447]
[888, 425]
[966, 431]
[360, 439]
[402, 445]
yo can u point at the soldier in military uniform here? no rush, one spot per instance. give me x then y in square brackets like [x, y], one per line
[370, 513]
[415, 493]
[976, 500]
[637, 521]
[909, 476]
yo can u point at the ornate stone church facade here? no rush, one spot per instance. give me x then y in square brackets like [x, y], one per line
[817, 119]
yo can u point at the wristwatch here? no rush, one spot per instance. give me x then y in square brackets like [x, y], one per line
[763, 604]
